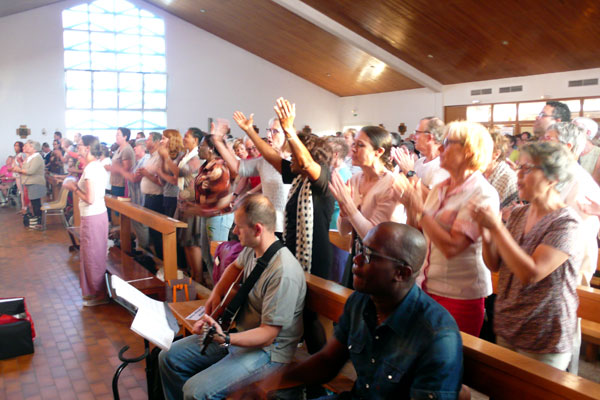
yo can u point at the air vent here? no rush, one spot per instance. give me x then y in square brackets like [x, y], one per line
[510, 89]
[478, 92]
[583, 82]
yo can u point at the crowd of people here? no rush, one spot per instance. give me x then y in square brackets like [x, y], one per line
[430, 217]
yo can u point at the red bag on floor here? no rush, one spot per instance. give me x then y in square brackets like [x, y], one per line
[16, 328]
[10, 311]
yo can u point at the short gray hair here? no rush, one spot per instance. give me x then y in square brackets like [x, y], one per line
[155, 136]
[141, 142]
[588, 125]
[569, 133]
[36, 145]
[554, 159]
[435, 127]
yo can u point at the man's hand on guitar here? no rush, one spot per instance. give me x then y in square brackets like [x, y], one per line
[212, 303]
[210, 322]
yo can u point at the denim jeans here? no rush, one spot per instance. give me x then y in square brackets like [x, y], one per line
[186, 374]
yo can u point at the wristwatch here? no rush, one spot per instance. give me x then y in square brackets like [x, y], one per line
[227, 342]
[410, 174]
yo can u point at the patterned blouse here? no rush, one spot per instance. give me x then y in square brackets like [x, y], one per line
[541, 317]
[504, 180]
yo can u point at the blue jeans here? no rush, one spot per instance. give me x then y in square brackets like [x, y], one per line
[187, 374]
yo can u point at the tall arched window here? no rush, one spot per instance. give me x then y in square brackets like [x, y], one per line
[115, 69]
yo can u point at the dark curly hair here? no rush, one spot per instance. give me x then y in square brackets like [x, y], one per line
[319, 149]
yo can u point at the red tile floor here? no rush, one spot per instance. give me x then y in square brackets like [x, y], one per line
[76, 347]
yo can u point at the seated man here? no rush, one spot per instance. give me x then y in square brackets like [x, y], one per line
[269, 322]
[402, 343]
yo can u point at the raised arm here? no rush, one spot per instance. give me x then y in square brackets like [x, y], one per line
[287, 113]
[269, 153]
[218, 132]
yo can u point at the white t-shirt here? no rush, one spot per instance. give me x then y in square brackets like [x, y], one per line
[95, 173]
[272, 184]
[465, 275]
[430, 173]
[106, 161]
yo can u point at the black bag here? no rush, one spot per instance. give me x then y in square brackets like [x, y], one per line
[16, 336]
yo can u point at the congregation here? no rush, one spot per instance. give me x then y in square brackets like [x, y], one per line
[430, 216]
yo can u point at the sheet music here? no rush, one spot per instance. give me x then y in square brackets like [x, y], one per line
[196, 314]
[151, 320]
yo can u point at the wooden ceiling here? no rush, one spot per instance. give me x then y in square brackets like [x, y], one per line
[445, 42]
[270, 31]
[472, 40]
[449, 41]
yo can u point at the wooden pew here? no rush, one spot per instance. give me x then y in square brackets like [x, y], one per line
[490, 369]
[159, 222]
[130, 271]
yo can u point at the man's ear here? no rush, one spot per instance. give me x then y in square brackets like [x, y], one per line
[402, 274]
[258, 230]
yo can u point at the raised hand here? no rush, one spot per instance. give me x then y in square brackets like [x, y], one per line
[244, 123]
[219, 131]
[484, 216]
[341, 192]
[286, 112]
[163, 148]
[403, 158]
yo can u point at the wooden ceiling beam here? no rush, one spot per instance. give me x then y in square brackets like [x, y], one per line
[340, 31]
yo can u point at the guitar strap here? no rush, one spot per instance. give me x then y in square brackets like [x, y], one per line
[242, 295]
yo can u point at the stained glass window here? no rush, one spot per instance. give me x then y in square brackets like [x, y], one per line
[115, 69]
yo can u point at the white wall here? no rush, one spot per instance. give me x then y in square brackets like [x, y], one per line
[207, 77]
[391, 108]
[534, 86]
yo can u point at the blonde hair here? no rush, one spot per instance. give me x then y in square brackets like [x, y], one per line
[478, 145]
[175, 142]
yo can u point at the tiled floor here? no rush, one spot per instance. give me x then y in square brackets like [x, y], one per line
[76, 347]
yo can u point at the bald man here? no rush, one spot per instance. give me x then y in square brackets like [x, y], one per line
[401, 342]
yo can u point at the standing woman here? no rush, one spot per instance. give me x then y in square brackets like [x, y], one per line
[20, 157]
[94, 222]
[185, 171]
[537, 255]
[454, 273]
[33, 180]
[171, 147]
[210, 198]
[369, 199]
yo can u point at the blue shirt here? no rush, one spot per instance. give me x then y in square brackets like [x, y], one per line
[415, 353]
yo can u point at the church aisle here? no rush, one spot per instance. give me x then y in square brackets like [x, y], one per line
[76, 347]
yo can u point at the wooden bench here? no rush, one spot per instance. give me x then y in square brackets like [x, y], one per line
[159, 222]
[490, 369]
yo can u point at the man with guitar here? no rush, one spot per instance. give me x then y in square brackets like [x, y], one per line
[266, 311]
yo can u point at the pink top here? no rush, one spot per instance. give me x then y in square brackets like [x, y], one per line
[8, 176]
[380, 204]
[465, 275]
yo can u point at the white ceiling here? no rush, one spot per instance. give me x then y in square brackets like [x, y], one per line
[9, 7]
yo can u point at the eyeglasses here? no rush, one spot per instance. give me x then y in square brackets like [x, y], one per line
[250, 148]
[417, 132]
[543, 115]
[447, 142]
[527, 168]
[368, 252]
[273, 131]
